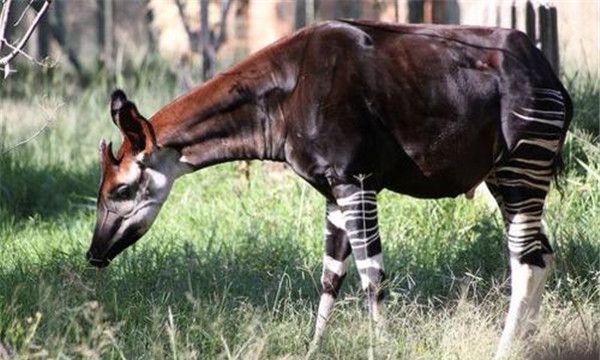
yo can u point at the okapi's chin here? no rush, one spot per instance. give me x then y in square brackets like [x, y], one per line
[99, 263]
[130, 236]
[121, 245]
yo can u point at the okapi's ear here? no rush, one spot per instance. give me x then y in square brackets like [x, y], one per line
[118, 99]
[132, 124]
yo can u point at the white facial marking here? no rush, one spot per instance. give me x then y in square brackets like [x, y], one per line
[184, 159]
[159, 179]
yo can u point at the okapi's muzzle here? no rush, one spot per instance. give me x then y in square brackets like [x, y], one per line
[111, 236]
[104, 260]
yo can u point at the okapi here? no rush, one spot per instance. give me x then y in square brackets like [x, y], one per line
[354, 107]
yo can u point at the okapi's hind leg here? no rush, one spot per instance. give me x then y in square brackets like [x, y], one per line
[520, 184]
[337, 249]
[530, 256]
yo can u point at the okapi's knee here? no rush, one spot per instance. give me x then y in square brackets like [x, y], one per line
[334, 272]
[331, 283]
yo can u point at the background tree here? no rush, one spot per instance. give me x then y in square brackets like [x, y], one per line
[17, 47]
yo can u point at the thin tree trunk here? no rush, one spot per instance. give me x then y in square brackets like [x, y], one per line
[104, 21]
[544, 31]
[415, 11]
[59, 15]
[530, 21]
[101, 40]
[149, 31]
[43, 32]
[300, 14]
[71, 54]
[108, 33]
[554, 51]
[207, 61]
[310, 11]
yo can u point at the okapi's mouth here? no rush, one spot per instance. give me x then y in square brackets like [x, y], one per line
[104, 259]
[99, 263]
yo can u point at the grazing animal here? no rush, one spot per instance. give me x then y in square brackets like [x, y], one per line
[355, 107]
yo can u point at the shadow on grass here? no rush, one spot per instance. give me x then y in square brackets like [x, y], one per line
[255, 270]
[28, 189]
[439, 271]
[200, 284]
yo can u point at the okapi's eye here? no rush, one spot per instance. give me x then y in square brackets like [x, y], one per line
[123, 192]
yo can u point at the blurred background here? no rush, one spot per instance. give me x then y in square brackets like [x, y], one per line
[83, 37]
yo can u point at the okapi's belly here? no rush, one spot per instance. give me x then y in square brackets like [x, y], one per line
[446, 168]
[434, 187]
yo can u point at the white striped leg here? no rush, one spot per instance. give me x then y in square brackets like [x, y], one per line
[520, 185]
[359, 208]
[337, 249]
[528, 247]
[527, 244]
[527, 285]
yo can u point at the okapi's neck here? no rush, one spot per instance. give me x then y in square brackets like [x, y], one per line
[236, 116]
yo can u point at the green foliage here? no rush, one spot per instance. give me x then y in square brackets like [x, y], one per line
[231, 268]
[585, 93]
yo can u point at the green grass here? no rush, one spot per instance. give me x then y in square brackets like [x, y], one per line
[231, 268]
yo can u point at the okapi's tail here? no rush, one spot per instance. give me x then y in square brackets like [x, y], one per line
[558, 164]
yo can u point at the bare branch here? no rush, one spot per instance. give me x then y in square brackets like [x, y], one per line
[23, 142]
[23, 13]
[50, 117]
[26, 55]
[186, 26]
[5, 60]
[6, 70]
[222, 37]
[4, 20]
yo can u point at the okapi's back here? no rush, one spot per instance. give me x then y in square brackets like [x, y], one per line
[423, 58]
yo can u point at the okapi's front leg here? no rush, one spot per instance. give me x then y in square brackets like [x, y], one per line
[359, 207]
[337, 249]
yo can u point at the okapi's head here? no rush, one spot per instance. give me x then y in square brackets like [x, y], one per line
[134, 184]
